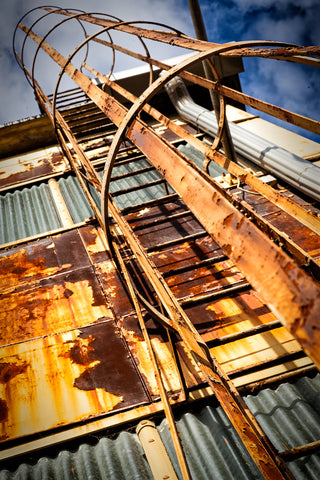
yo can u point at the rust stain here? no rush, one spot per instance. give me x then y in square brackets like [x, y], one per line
[10, 370]
[3, 411]
[95, 243]
[227, 220]
[110, 369]
[204, 279]
[57, 159]
[82, 351]
[24, 265]
[26, 171]
[53, 305]
[240, 223]
[175, 257]
[132, 333]
[228, 248]
[29, 166]
[112, 285]
[49, 380]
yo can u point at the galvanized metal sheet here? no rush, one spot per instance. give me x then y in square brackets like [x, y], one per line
[65, 378]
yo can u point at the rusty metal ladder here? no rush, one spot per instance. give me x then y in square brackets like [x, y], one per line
[146, 278]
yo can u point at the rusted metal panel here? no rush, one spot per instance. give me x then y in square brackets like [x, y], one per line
[177, 229]
[53, 304]
[31, 166]
[309, 241]
[94, 241]
[48, 288]
[177, 257]
[134, 338]
[305, 239]
[43, 258]
[204, 279]
[65, 378]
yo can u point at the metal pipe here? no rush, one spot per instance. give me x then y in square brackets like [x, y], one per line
[155, 451]
[201, 34]
[291, 168]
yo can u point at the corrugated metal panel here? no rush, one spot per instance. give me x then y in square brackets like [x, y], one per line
[32, 211]
[139, 196]
[75, 199]
[290, 414]
[27, 212]
[213, 448]
[120, 459]
[290, 417]
[79, 206]
[198, 158]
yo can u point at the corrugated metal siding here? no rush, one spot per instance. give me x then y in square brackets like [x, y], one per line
[290, 417]
[120, 459]
[289, 414]
[27, 212]
[198, 158]
[75, 199]
[212, 446]
[31, 211]
[139, 196]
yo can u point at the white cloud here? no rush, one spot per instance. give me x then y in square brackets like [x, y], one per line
[294, 21]
[16, 97]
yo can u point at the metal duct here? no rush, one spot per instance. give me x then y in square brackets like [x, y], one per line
[296, 171]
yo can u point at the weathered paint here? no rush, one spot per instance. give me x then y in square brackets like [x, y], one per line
[132, 333]
[28, 167]
[64, 378]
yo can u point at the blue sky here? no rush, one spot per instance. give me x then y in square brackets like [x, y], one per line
[296, 21]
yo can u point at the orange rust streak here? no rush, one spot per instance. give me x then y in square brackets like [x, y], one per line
[17, 267]
[35, 311]
[47, 381]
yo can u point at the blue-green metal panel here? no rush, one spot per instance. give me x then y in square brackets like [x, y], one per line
[198, 158]
[120, 459]
[27, 212]
[74, 198]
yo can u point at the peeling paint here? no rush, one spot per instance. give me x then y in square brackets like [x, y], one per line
[10, 370]
[3, 411]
